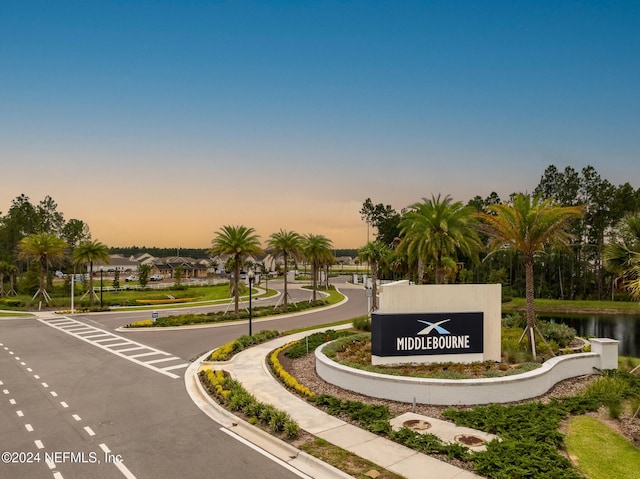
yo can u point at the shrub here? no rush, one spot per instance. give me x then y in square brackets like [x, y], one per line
[227, 350]
[362, 323]
[230, 392]
[283, 375]
[11, 302]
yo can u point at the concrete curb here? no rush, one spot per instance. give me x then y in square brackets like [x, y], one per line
[281, 450]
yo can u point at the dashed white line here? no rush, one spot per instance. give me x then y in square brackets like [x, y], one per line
[54, 394]
[28, 427]
[52, 465]
[17, 358]
[19, 413]
[11, 353]
[6, 391]
[36, 376]
[57, 475]
[39, 444]
[29, 370]
[12, 402]
[76, 417]
[89, 431]
[64, 404]
[22, 363]
[120, 465]
[1, 383]
[45, 385]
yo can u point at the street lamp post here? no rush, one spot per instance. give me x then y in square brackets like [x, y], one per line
[250, 276]
[100, 288]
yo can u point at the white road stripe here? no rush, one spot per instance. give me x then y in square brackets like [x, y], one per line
[12, 402]
[100, 333]
[89, 431]
[28, 427]
[76, 417]
[64, 404]
[39, 444]
[19, 413]
[162, 360]
[177, 366]
[120, 465]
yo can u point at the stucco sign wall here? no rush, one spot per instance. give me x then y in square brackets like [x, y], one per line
[436, 323]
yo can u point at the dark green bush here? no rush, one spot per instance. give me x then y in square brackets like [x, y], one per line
[311, 342]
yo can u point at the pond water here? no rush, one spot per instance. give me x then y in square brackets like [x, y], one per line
[623, 327]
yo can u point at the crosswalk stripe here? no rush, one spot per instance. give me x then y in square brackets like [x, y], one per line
[90, 335]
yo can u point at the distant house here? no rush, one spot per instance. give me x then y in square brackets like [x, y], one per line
[191, 268]
[117, 262]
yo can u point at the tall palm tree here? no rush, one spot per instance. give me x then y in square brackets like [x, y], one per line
[528, 225]
[623, 257]
[44, 247]
[376, 253]
[317, 251]
[238, 242]
[436, 228]
[89, 252]
[285, 244]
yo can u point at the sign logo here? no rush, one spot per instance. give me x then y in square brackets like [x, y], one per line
[433, 326]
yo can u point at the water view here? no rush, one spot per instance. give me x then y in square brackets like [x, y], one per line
[623, 327]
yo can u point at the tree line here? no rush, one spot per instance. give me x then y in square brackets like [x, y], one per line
[576, 271]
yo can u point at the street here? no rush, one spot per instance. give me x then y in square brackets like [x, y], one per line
[79, 399]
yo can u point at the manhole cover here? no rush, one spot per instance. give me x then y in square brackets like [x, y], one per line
[417, 424]
[470, 440]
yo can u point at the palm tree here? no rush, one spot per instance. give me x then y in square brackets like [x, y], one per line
[285, 244]
[88, 252]
[238, 242]
[317, 250]
[44, 247]
[436, 228]
[528, 225]
[376, 253]
[623, 257]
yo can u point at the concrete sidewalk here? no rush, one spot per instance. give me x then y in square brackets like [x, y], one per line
[250, 368]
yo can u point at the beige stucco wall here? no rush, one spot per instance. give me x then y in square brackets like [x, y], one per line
[403, 297]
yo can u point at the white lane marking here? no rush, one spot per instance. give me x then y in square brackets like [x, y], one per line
[120, 465]
[36, 376]
[54, 394]
[89, 431]
[11, 353]
[118, 344]
[17, 358]
[45, 385]
[76, 417]
[161, 360]
[177, 366]
[147, 354]
[116, 338]
[29, 370]
[39, 444]
[57, 475]
[22, 363]
[28, 427]
[87, 339]
[64, 404]
[130, 349]
[1, 383]
[12, 402]
[6, 391]
[19, 413]
[275, 459]
[52, 465]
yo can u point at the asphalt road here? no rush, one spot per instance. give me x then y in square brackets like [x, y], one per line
[74, 405]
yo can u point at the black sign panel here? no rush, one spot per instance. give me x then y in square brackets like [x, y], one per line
[417, 334]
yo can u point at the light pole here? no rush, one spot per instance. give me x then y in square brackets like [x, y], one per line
[250, 276]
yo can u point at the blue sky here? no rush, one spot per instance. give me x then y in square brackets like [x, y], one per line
[157, 122]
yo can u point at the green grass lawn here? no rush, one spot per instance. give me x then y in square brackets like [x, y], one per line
[599, 452]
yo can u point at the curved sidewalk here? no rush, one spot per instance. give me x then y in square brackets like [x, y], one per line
[250, 368]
